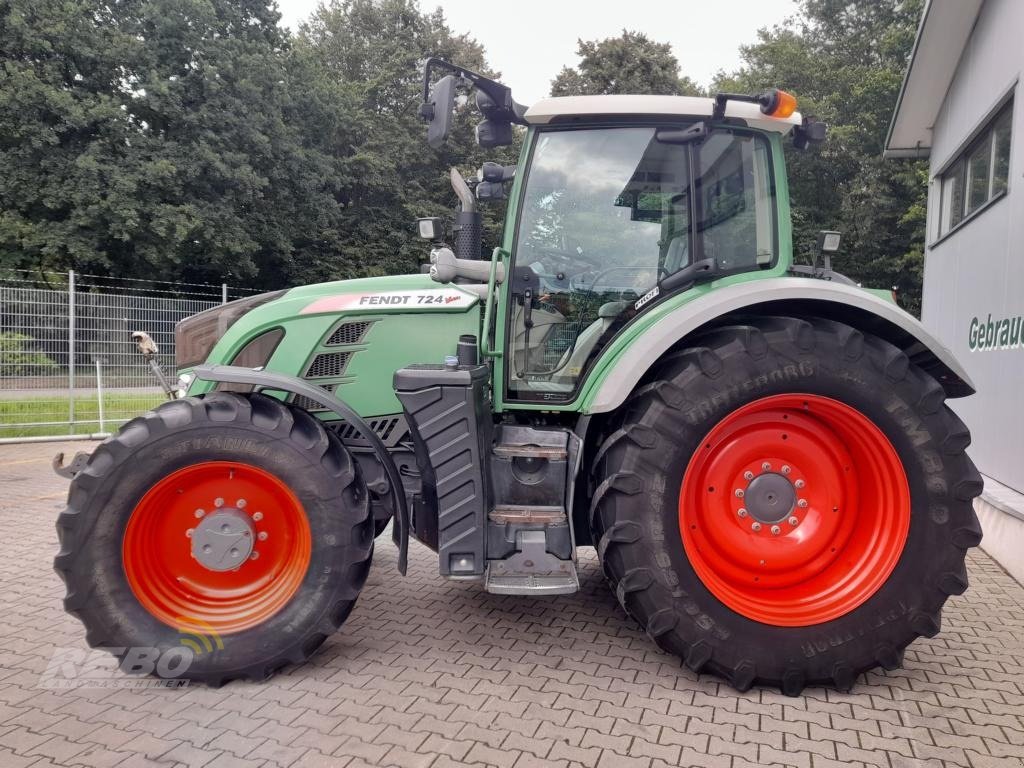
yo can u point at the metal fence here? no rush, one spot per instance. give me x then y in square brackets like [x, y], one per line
[68, 366]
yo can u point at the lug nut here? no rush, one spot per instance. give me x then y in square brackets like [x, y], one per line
[776, 530]
[188, 533]
[786, 469]
[739, 493]
[802, 503]
[793, 520]
[766, 466]
[200, 512]
[257, 516]
[748, 475]
[218, 502]
[741, 512]
[254, 556]
[262, 536]
[799, 483]
[755, 526]
[240, 503]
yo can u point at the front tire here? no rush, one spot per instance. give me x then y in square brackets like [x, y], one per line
[235, 526]
[786, 502]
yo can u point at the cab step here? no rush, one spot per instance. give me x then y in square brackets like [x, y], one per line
[535, 515]
[530, 543]
[532, 585]
[531, 569]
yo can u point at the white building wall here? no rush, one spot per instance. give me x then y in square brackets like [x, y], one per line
[978, 270]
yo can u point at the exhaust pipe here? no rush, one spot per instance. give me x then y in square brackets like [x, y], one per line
[467, 232]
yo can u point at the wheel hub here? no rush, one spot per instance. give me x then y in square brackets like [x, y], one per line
[224, 540]
[770, 498]
[222, 543]
[794, 510]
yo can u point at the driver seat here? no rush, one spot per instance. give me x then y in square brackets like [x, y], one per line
[576, 356]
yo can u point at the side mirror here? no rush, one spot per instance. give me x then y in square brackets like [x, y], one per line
[438, 111]
[811, 131]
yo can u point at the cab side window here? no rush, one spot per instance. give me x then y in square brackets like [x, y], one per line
[736, 230]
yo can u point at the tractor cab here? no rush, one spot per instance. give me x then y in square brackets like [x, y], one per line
[618, 204]
[610, 220]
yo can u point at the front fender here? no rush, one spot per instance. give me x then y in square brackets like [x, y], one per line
[778, 296]
[277, 382]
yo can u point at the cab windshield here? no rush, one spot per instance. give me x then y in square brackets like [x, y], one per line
[607, 213]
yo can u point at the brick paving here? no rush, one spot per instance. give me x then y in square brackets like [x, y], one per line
[432, 673]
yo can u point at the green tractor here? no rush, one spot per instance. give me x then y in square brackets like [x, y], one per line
[759, 452]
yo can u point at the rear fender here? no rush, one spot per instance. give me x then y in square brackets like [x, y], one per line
[848, 304]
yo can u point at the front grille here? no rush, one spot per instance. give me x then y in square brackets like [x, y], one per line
[328, 365]
[349, 333]
[390, 429]
[311, 405]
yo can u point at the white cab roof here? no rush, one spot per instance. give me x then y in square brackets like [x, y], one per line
[547, 110]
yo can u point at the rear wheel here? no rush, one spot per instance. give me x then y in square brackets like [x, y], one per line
[787, 502]
[234, 526]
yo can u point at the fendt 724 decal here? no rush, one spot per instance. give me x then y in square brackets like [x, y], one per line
[431, 298]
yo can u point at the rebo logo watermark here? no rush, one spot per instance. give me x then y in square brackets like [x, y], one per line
[134, 667]
[137, 667]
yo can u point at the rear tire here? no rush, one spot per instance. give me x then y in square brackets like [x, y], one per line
[128, 570]
[637, 511]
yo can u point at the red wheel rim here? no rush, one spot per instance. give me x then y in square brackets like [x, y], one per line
[178, 589]
[829, 551]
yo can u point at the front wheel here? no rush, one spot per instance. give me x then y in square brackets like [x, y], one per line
[232, 530]
[787, 502]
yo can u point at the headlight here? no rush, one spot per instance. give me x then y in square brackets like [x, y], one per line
[195, 336]
[184, 380]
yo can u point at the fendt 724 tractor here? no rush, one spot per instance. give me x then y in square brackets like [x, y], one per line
[760, 452]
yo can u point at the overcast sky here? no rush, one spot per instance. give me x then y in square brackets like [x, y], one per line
[529, 41]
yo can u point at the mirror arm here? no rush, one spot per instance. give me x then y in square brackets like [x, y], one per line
[500, 94]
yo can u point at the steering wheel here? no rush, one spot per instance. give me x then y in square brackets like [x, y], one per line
[570, 262]
[600, 279]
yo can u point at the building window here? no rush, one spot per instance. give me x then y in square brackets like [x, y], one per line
[978, 175]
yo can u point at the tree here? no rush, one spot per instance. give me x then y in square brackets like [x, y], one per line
[377, 48]
[630, 63]
[156, 138]
[844, 60]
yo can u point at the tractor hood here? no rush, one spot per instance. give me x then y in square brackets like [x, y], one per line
[348, 336]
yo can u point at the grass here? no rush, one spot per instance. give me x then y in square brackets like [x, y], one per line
[118, 407]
